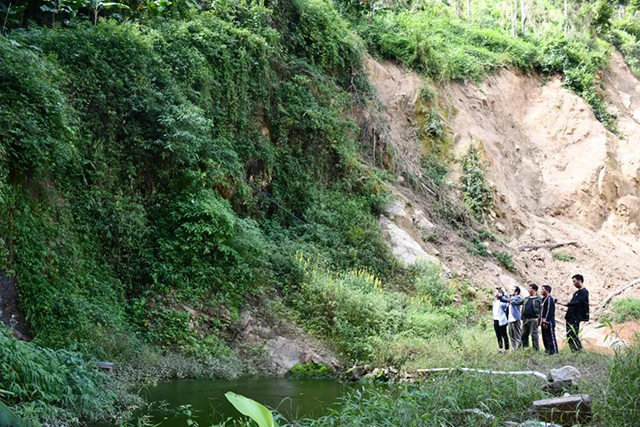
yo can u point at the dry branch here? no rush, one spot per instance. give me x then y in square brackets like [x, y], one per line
[614, 294]
[551, 245]
[484, 371]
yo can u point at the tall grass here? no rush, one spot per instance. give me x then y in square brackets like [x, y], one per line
[47, 385]
[621, 403]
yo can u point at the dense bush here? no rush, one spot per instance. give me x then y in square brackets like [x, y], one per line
[362, 315]
[182, 157]
[478, 195]
[625, 309]
[443, 48]
[58, 385]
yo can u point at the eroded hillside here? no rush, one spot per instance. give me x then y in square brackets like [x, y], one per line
[558, 174]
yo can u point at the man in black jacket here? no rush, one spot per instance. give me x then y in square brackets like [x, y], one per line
[577, 311]
[548, 321]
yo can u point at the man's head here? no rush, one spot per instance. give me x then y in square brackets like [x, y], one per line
[546, 290]
[533, 289]
[515, 291]
[499, 292]
[578, 280]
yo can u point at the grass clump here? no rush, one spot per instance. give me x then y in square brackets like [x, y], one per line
[478, 195]
[365, 318]
[563, 256]
[622, 390]
[625, 309]
[438, 402]
[506, 260]
[57, 386]
[311, 370]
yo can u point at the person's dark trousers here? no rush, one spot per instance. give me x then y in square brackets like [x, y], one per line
[549, 338]
[573, 337]
[501, 334]
[530, 327]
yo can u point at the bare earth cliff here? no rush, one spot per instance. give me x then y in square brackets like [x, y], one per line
[557, 173]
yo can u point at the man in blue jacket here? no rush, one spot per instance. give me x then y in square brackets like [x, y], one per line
[515, 316]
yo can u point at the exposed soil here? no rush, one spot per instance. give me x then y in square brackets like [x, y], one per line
[557, 173]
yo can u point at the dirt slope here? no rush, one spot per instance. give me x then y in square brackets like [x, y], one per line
[558, 174]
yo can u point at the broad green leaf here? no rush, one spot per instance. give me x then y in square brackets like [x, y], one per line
[251, 409]
[8, 418]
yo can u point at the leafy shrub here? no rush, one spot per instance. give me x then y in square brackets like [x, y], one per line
[310, 371]
[626, 309]
[478, 247]
[49, 385]
[478, 196]
[436, 44]
[506, 260]
[178, 156]
[358, 312]
[563, 256]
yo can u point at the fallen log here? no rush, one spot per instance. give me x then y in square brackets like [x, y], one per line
[614, 294]
[484, 371]
[551, 245]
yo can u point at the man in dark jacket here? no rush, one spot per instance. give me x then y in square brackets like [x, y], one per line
[548, 321]
[577, 311]
[530, 315]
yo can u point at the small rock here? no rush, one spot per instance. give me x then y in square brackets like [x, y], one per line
[357, 372]
[566, 410]
[395, 209]
[566, 373]
[378, 374]
[421, 221]
[501, 227]
[560, 387]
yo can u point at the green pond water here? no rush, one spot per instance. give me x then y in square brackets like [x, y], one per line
[294, 399]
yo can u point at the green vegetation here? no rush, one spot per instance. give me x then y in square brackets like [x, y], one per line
[57, 386]
[624, 309]
[310, 370]
[622, 389]
[563, 256]
[162, 164]
[506, 260]
[478, 196]
[365, 318]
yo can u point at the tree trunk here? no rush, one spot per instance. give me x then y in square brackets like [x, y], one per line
[458, 8]
[468, 7]
[523, 15]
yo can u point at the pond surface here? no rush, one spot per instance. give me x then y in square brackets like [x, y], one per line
[294, 399]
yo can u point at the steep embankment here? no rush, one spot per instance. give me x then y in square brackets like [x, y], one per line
[557, 173]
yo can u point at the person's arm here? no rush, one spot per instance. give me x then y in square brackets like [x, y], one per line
[586, 305]
[517, 300]
[504, 298]
[551, 315]
[542, 317]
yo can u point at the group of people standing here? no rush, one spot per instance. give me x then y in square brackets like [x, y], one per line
[524, 317]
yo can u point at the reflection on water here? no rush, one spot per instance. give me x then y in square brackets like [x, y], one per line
[294, 399]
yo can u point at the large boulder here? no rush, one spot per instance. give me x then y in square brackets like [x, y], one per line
[405, 248]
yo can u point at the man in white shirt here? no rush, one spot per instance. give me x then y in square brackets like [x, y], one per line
[500, 319]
